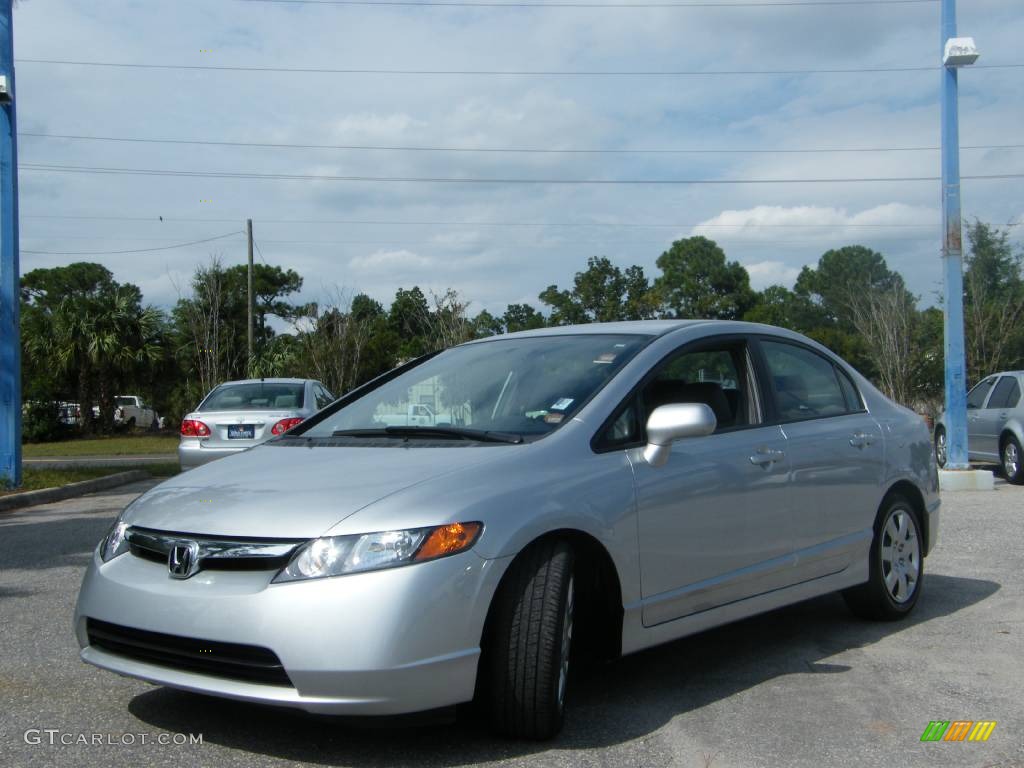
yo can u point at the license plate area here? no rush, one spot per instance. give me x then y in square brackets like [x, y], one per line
[241, 431]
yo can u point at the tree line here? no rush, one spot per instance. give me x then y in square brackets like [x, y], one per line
[87, 338]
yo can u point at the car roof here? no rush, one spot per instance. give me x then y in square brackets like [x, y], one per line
[267, 380]
[637, 327]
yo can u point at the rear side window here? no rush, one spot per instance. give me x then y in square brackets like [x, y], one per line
[323, 397]
[976, 397]
[806, 384]
[853, 401]
[254, 396]
[1006, 394]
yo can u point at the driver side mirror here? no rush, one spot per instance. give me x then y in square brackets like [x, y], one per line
[674, 422]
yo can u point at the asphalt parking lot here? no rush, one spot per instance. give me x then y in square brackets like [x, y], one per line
[804, 686]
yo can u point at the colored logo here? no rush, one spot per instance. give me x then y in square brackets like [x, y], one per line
[958, 730]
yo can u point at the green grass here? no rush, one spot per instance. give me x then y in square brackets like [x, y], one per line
[34, 479]
[120, 445]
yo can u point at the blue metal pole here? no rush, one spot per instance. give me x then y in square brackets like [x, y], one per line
[952, 258]
[10, 336]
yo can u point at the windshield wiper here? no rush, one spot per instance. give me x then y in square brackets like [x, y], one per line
[481, 435]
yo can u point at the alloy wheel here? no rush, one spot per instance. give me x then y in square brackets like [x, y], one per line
[901, 555]
[940, 447]
[1011, 459]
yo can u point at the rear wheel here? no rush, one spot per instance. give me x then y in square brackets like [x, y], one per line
[529, 643]
[896, 565]
[940, 446]
[1011, 459]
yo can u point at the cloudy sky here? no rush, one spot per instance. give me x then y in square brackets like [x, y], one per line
[498, 242]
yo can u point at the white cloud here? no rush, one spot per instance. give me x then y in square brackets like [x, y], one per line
[390, 261]
[765, 273]
[776, 222]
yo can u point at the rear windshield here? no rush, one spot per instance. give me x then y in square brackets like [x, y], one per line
[257, 396]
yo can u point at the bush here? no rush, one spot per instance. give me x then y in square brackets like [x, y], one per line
[41, 423]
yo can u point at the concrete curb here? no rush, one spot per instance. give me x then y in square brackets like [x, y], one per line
[46, 495]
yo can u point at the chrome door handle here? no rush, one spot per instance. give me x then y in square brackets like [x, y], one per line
[766, 456]
[861, 439]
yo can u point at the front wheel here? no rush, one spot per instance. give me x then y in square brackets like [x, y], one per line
[896, 567]
[529, 643]
[940, 446]
[1013, 466]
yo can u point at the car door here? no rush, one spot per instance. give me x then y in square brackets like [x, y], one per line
[976, 399]
[990, 418]
[714, 522]
[836, 455]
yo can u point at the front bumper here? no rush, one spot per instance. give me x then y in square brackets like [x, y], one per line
[380, 643]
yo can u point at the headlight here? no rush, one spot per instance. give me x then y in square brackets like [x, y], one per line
[115, 542]
[339, 555]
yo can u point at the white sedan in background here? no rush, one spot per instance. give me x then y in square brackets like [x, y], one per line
[237, 415]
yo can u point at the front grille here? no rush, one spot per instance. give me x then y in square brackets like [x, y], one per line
[221, 553]
[234, 661]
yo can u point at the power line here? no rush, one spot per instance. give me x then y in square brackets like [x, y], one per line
[503, 73]
[260, 250]
[523, 150]
[135, 250]
[458, 180]
[439, 223]
[618, 6]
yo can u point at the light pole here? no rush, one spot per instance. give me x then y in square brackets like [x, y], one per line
[956, 52]
[10, 336]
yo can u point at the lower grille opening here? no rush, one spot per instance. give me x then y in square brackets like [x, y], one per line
[249, 663]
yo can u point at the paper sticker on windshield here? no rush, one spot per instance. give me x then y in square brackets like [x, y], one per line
[554, 418]
[561, 405]
[606, 358]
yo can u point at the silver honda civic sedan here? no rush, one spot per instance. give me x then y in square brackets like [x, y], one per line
[575, 492]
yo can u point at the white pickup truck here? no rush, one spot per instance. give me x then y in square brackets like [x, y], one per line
[133, 411]
[416, 415]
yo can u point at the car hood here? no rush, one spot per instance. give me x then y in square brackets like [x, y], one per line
[294, 492]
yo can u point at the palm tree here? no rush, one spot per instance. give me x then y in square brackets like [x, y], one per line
[107, 340]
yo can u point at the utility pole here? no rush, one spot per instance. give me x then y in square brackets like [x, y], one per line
[956, 52]
[10, 334]
[248, 233]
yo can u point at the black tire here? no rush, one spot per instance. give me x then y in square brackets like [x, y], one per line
[131, 424]
[1012, 459]
[941, 446]
[878, 599]
[531, 623]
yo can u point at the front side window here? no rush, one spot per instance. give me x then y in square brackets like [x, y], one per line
[976, 397]
[254, 396]
[524, 386]
[805, 383]
[716, 377]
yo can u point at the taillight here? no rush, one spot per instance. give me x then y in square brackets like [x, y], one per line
[193, 428]
[284, 425]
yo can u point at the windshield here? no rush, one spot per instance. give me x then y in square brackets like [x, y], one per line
[254, 396]
[522, 386]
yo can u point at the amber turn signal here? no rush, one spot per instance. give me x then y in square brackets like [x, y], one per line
[448, 539]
